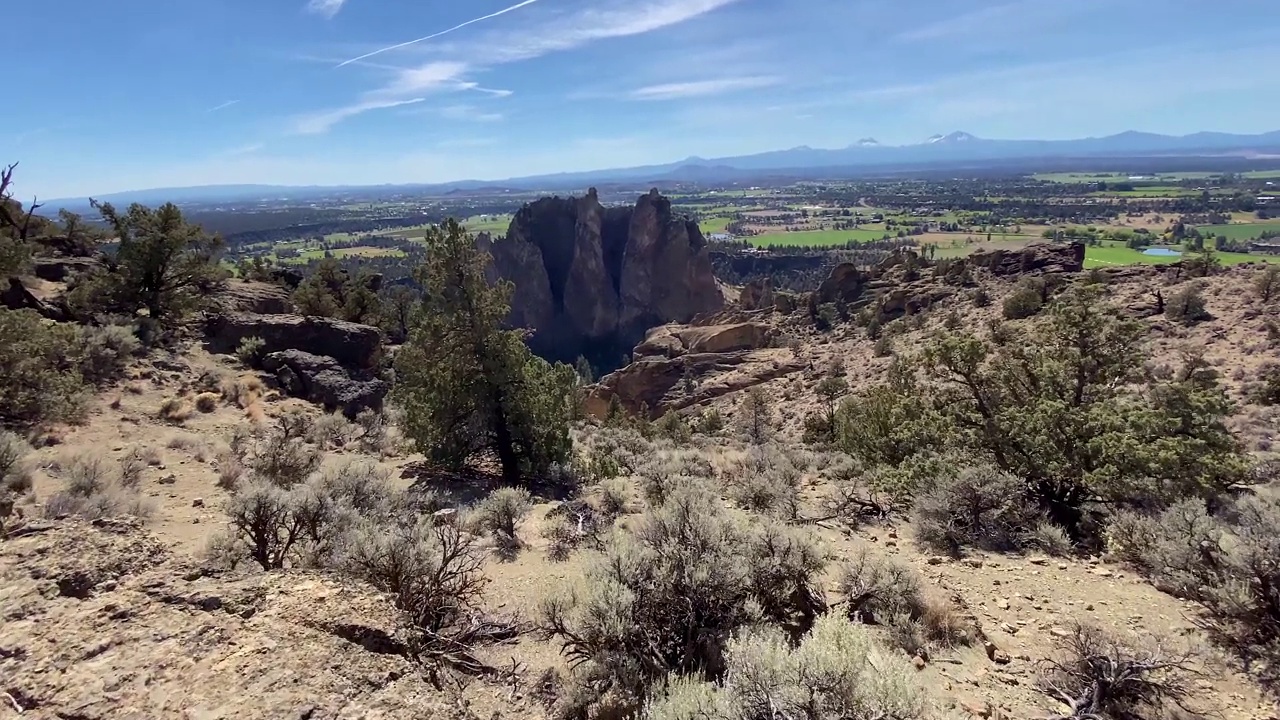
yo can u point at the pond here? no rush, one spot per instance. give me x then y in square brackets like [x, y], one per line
[1162, 252]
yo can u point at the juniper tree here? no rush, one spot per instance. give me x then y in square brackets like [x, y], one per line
[164, 264]
[469, 388]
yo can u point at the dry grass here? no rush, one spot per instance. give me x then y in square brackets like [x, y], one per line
[176, 410]
[207, 402]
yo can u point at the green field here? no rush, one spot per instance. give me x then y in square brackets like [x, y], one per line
[1116, 254]
[486, 223]
[358, 251]
[714, 225]
[815, 238]
[1240, 231]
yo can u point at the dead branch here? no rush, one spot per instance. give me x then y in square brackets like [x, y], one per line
[1096, 676]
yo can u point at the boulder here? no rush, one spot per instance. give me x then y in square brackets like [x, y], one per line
[17, 296]
[255, 297]
[676, 340]
[589, 278]
[757, 295]
[352, 345]
[1034, 259]
[659, 384]
[59, 269]
[845, 284]
[323, 380]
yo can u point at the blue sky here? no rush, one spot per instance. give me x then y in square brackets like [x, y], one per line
[155, 93]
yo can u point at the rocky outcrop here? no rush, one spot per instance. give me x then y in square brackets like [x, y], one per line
[350, 344]
[757, 295]
[1034, 259]
[322, 380]
[60, 269]
[676, 340]
[591, 280]
[255, 297]
[678, 366]
[16, 295]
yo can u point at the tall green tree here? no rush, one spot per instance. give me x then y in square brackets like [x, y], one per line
[164, 264]
[469, 388]
[16, 225]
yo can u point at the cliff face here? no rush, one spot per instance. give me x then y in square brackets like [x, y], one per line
[591, 280]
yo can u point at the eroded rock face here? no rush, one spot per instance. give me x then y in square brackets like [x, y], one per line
[591, 280]
[1033, 259]
[350, 344]
[255, 297]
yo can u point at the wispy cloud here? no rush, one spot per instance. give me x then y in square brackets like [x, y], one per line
[223, 106]
[432, 36]
[553, 34]
[701, 88]
[319, 123]
[469, 113]
[326, 8]
[250, 149]
[1019, 15]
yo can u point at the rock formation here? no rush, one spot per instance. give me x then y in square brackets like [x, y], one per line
[591, 280]
[679, 366]
[322, 380]
[1034, 259]
[350, 344]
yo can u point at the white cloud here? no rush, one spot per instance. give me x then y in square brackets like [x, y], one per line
[556, 33]
[701, 88]
[433, 36]
[319, 123]
[326, 8]
[222, 106]
[469, 113]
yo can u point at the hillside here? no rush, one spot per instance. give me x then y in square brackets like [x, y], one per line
[998, 485]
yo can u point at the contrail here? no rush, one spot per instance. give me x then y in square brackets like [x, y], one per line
[436, 35]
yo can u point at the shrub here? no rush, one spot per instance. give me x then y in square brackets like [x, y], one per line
[836, 672]
[373, 426]
[433, 573]
[708, 422]
[615, 496]
[786, 566]
[664, 600]
[360, 484]
[251, 351]
[1097, 675]
[975, 507]
[883, 347]
[230, 470]
[207, 402]
[1267, 283]
[38, 381]
[331, 431]
[673, 427]
[1226, 564]
[1186, 306]
[501, 512]
[981, 296]
[175, 410]
[1067, 409]
[267, 520]
[15, 475]
[103, 352]
[1024, 302]
[1049, 539]
[285, 461]
[1268, 390]
[111, 500]
[132, 465]
[768, 482]
[880, 591]
[86, 473]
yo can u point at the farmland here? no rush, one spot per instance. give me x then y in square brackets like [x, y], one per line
[1242, 231]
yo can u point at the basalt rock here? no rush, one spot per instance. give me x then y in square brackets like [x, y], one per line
[255, 297]
[322, 380]
[350, 344]
[592, 280]
[1034, 259]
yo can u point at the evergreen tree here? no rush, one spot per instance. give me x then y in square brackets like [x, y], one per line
[469, 388]
[755, 417]
[164, 264]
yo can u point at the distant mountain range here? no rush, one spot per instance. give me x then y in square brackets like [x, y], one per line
[866, 156]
